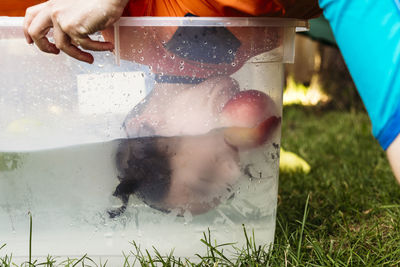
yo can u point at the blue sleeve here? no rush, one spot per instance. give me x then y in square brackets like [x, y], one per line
[368, 35]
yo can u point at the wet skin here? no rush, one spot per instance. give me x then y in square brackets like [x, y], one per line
[183, 155]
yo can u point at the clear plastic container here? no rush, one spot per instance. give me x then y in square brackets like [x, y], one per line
[175, 133]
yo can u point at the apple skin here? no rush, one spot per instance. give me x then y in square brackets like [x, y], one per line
[247, 109]
[249, 119]
[245, 138]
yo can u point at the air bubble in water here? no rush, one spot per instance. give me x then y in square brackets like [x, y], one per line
[230, 51]
[140, 51]
[142, 58]
[108, 235]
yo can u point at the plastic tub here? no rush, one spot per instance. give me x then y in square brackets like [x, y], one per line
[176, 135]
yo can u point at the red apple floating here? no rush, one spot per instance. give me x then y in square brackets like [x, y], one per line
[247, 109]
[249, 118]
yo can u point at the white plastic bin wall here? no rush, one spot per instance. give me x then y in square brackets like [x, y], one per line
[181, 136]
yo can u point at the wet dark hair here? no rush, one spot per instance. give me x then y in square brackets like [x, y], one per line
[144, 170]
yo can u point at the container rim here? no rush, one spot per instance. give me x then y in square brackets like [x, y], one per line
[300, 25]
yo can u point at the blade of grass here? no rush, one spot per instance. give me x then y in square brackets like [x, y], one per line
[213, 249]
[30, 238]
[81, 259]
[302, 227]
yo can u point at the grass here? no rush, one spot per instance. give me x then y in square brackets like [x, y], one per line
[345, 212]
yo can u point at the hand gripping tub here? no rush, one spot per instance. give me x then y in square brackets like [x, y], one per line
[175, 134]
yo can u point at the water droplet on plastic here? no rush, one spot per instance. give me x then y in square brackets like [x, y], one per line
[100, 65]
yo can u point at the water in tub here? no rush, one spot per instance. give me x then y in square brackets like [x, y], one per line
[60, 167]
[69, 190]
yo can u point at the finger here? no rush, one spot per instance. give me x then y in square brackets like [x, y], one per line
[46, 46]
[89, 44]
[63, 42]
[38, 30]
[30, 14]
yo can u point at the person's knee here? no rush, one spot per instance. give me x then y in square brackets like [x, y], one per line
[393, 153]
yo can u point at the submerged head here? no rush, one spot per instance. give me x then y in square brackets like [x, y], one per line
[184, 156]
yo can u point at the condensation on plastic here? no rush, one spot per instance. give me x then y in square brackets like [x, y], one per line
[58, 121]
[25, 64]
[290, 26]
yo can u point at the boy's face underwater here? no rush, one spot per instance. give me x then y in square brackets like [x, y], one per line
[188, 159]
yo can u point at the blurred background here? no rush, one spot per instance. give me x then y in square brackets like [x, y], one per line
[319, 75]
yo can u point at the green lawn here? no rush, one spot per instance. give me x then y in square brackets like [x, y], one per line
[344, 212]
[354, 200]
